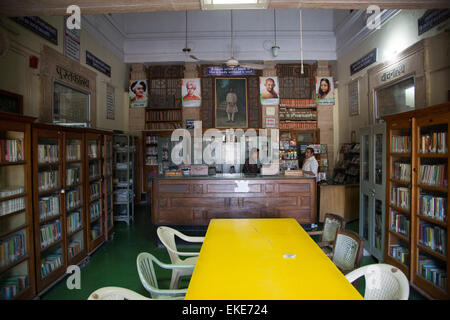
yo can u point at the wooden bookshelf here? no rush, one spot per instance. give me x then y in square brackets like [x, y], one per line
[17, 275]
[94, 172]
[107, 195]
[415, 133]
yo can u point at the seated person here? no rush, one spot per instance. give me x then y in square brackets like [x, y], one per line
[251, 168]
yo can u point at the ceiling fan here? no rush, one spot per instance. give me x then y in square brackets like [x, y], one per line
[232, 62]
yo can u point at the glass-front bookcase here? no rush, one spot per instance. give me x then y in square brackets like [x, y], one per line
[17, 276]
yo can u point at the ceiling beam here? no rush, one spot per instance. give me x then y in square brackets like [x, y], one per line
[58, 7]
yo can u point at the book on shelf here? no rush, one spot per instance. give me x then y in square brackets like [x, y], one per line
[399, 223]
[428, 269]
[48, 180]
[433, 207]
[73, 152]
[11, 286]
[12, 248]
[48, 153]
[433, 237]
[93, 150]
[11, 191]
[433, 175]
[95, 231]
[400, 144]
[401, 171]
[50, 233]
[399, 253]
[73, 176]
[73, 198]
[74, 248]
[94, 190]
[11, 206]
[93, 170]
[151, 139]
[74, 221]
[94, 210]
[11, 150]
[50, 263]
[400, 197]
[48, 207]
[435, 142]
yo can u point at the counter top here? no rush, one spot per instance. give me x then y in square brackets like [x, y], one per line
[235, 176]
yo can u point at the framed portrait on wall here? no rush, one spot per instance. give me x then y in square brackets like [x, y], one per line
[191, 95]
[268, 88]
[324, 91]
[230, 108]
[138, 92]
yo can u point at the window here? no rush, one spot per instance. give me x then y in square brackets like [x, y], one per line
[70, 106]
[395, 98]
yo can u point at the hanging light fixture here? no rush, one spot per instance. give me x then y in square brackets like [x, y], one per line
[301, 41]
[186, 50]
[275, 48]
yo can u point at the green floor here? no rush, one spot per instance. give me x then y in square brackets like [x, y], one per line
[114, 263]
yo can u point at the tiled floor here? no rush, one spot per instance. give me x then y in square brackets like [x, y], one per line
[114, 264]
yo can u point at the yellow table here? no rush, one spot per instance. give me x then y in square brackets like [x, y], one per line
[245, 259]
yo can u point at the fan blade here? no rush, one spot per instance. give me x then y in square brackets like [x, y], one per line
[208, 61]
[252, 66]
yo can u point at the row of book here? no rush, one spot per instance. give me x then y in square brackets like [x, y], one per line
[94, 189]
[163, 125]
[151, 139]
[428, 269]
[73, 152]
[73, 175]
[399, 253]
[166, 115]
[73, 198]
[400, 144]
[433, 207]
[11, 191]
[48, 153]
[92, 150]
[94, 210]
[11, 150]
[435, 142]
[13, 205]
[95, 231]
[74, 248]
[400, 197]
[432, 237]
[74, 221]
[13, 285]
[288, 155]
[50, 233]
[48, 207]
[399, 223]
[151, 151]
[12, 248]
[298, 103]
[401, 171]
[434, 175]
[51, 263]
[48, 180]
[296, 114]
[298, 124]
[93, 170]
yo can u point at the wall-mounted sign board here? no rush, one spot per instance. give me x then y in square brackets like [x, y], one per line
[98, 64]
[40, 27]
[432, 18]
[364, 62]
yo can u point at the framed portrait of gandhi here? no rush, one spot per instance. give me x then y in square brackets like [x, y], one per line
[230, 107]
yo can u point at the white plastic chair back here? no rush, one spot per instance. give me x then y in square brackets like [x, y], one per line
[115, 293]
[383, 282]
[167, 237]
[146, 271]
[330, 228]
[345, 252]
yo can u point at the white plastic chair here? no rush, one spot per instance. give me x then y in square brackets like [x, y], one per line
[383, 282]
[167, 236]
[116, 293]
[146, 270]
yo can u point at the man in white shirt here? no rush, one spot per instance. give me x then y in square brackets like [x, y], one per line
[310, 164]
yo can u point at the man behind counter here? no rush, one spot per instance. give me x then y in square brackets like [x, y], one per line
[251, 168]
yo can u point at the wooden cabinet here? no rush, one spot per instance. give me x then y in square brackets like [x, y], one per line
[194, 201]
[417, 197]
[342, 200]
[17, 272]
[107, 192]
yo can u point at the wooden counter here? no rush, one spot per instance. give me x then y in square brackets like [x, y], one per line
[196, 200]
